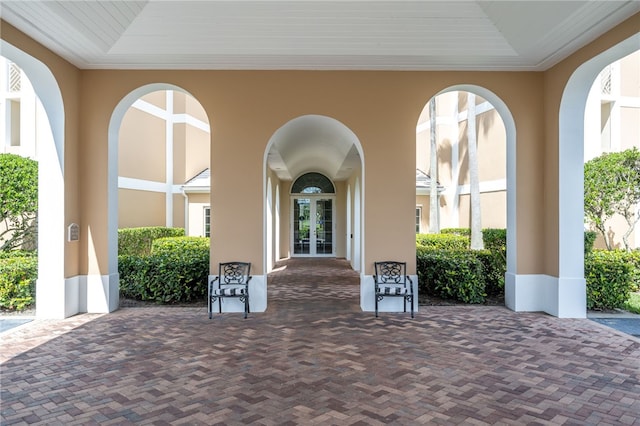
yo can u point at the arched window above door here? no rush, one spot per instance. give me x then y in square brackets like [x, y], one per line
[313, 183]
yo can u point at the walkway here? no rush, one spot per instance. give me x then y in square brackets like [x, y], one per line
[315, 358]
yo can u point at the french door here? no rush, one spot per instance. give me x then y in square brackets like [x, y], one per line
[312, 226]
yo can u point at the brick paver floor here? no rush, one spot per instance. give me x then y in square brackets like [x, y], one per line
[315, 358]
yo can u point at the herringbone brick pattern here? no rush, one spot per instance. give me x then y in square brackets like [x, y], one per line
[315, 359]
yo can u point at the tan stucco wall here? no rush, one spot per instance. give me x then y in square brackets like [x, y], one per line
[381, 108]
[197, 203]
[68, 79]
[555, 80]
[141, 151]
[140, 208]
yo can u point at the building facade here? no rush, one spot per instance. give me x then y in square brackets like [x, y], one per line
[365, 122]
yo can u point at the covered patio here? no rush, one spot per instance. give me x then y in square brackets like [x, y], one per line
[315, 358]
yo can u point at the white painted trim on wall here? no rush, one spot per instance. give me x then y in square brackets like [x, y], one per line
[389, 304]
[257, 297]
[561, 297]
[191, 121]
[456, 118]
[150, 109]
[485, 186]
[79, 294]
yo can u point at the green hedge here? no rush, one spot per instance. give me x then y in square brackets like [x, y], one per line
[634, 259]
[176, 271]
[609, 276]
[18, 274]
[465, 232]
[495, 239]
[184, 246]
[138, 241]
[451, 274]
[589, 241]
[442, 241]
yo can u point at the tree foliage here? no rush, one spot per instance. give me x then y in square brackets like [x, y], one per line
[612, 187]
[18, 201]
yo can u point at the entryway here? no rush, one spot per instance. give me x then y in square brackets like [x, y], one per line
[312, 226]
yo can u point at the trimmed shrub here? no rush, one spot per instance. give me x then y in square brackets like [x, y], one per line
[495, 239]
[176, 271]
[609, 277]
[138, 241]
[18, 276]
[442, 241]
[589, 241]
[451, 274]
[634, 260]
[494, 267]
[466, 232]
[185, 246]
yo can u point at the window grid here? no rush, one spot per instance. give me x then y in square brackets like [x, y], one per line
[207, 221]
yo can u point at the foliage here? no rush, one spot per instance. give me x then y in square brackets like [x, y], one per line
[442, 241]
[494, 268]
[17, 281]
[495, 239]
[633, 258]
[138, 241]
[633, 304]
[176, 271]
[612, 186]
[451, 274]
[18, 201]
[457, 231]
[181, 246]
[609, 279]
[589, 241]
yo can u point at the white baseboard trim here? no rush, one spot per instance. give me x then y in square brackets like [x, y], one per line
[78, 294]
[389, 304]
[257, 297]
[560, 297]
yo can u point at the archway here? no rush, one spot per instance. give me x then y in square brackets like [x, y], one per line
[56, 296]
[166, 111]
[311, 143]
[511, 216]
[569, 292]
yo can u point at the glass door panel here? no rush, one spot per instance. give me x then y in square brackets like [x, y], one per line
[301, 222]
[312, 226]
[324, 226]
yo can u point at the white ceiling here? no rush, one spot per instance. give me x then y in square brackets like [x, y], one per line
[312, 34]
[316, 35]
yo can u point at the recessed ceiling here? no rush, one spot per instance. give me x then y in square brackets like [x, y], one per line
[314, 143]
[318, 35]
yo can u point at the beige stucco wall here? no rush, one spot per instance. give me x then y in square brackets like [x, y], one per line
[555, 80]
[140, 208]
[68, 79]
[381, 108]
[197, 204]
[142, 155]
[141, 151]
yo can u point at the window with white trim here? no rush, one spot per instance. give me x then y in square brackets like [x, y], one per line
[207, 222]
[418, 219]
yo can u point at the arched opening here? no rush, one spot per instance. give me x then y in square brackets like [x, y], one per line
[312, 159]
[612, 125]
[497, 183]
[56, 296]
[172, 189]
[454, 162]
[568, 294]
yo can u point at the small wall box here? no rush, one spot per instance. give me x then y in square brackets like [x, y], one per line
[73, 232]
